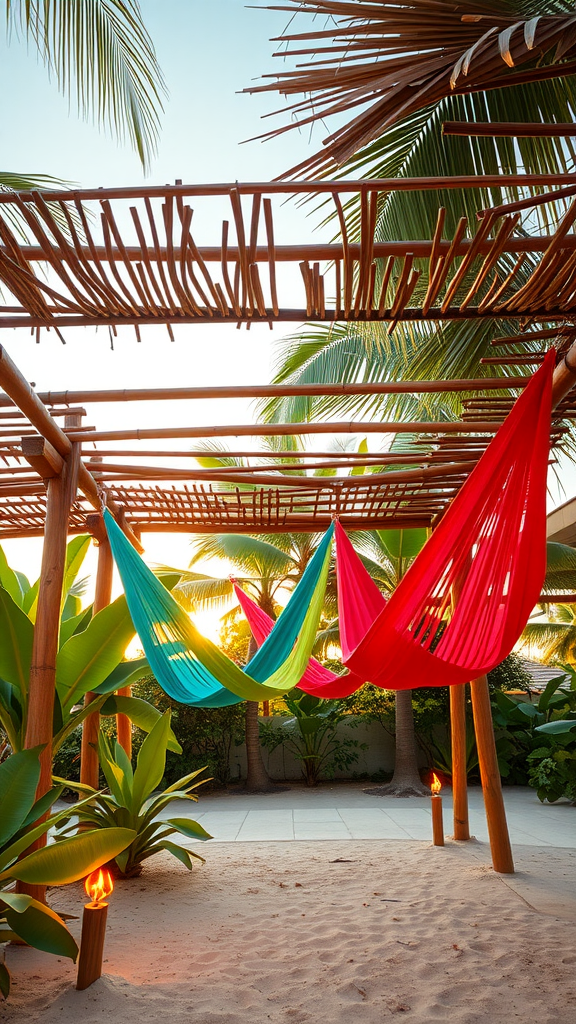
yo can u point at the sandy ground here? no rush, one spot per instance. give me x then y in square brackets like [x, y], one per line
[341, 932]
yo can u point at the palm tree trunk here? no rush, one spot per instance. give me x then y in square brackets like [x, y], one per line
[257, 778]
[406, 779]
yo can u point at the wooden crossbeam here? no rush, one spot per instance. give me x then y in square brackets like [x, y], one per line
[404, 387]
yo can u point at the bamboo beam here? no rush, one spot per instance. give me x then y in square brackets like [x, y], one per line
[20, 392]
[310, 252]
[312, 186]
[179, 318]
[279, 390]
[285, 429]
[42, 456]
[508, 129]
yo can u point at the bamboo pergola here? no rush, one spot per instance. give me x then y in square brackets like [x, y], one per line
[139, 262]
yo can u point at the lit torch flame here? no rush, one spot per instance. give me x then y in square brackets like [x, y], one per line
[435, 785]
[99, 885]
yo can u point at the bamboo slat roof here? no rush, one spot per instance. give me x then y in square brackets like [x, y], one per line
[268, 491]
[139, 262]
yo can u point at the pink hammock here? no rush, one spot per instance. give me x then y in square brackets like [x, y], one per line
[316, 679]
[462, 605]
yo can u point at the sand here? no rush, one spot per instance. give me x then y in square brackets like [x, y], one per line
[339, 932]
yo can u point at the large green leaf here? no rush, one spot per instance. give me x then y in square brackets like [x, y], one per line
[141, 713]
[559, 728]
[126, 673]
[180, 852]
[19, 775]
[9, 580]
[87, 658]
[151, 761]
[74, 720]
[40, 927]
[16, 639]
[75, 624]
[403, 544]
[76, 551]
[117, 784]
[189, 827]
[71, 859]
[11, 715]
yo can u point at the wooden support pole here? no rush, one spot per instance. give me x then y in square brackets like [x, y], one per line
[89, 763]
[61, 491]
[20, 392]
[502, 860]
[459, 772]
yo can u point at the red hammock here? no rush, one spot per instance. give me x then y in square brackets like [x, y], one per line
[317, 679]
[462, 605]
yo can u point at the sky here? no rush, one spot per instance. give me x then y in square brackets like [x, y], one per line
[208, 52]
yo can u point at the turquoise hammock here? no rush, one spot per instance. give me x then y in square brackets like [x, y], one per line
[192, 669]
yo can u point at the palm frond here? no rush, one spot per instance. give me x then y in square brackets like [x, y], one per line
[195, 590]
[250, 554]
[560, 569]
[393, 60]
[103, 58]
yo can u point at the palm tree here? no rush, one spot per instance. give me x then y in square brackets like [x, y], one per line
[399, 134]
[103, 60]
[555, 638]
[268, 565]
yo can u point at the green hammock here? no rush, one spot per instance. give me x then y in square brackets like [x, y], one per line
[192, 669]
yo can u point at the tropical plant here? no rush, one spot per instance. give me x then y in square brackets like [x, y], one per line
[132, 802]
[90, 656]
[553, 763]
[23, 820]
[400, 134]
[207, 736]
[311, 736]
[103, 60]
[397, 62]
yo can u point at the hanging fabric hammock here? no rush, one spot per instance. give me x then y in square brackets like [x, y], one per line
[316, 677]
[193, 670]
[465, 600]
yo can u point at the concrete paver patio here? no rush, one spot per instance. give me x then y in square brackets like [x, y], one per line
[345, 811]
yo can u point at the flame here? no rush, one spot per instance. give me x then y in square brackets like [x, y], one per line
[99, 884]
[435, 785]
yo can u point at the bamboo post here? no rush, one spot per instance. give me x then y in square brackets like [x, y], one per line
[124, 725]
[459, 772]
[502, 860]
[89, 764]
[61, 490]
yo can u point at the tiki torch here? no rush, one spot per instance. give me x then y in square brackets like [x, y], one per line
[98, 886]
[437, 822]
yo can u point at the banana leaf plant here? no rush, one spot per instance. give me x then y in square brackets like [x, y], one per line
[90, 655]
[22, 821]
[133, 803]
